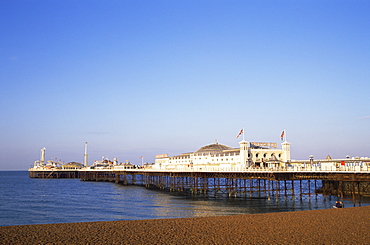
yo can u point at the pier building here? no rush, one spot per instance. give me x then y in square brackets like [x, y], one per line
[222, 157]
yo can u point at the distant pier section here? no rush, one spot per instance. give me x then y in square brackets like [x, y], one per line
[55, 169]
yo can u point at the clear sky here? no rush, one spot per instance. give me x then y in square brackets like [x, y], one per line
[139, 78]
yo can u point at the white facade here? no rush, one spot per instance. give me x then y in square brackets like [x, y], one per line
[220, 157]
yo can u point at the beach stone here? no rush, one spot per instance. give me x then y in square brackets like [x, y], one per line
[330, 226]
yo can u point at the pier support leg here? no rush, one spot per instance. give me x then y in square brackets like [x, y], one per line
[285, 189]
[353, 194]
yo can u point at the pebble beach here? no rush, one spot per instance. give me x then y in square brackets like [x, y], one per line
[327, 226]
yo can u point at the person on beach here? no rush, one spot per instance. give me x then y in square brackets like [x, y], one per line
[337, 205]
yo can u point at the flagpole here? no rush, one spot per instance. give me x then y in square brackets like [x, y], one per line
[285, 135]
[243, 133]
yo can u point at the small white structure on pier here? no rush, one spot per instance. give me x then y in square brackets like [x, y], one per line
[86, 156]
[40, 162]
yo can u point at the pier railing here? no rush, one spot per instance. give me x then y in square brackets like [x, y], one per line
[365, 169]
[307, 168]
[359, 169]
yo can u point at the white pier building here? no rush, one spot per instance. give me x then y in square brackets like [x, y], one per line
[222, 157]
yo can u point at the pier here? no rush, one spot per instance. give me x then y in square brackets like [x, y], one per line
[255, 169]
[257, 183]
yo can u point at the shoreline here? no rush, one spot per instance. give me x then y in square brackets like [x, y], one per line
[325, 226]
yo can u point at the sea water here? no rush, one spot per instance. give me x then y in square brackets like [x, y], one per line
[25, 200]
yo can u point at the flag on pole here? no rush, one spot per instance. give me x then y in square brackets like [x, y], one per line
[282, 135]
[240, 133]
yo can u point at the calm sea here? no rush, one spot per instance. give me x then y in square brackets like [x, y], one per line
[24, 200]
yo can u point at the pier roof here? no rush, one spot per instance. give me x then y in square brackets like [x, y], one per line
[213, 148]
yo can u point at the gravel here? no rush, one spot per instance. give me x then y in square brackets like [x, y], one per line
[329, 226]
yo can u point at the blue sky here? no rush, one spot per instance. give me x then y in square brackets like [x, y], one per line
[137, 78]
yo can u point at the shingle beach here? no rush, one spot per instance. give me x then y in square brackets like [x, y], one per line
[330, 226]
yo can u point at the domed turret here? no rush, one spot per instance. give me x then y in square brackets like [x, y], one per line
[213, 149]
